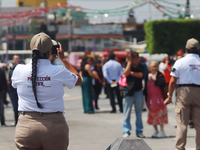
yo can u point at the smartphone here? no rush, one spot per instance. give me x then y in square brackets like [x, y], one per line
[54, 50]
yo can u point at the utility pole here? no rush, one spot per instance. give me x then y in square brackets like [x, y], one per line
[1, 34]
[14, 34]
[45, 5]
[149, 10]
[187, 9]
[69, 18]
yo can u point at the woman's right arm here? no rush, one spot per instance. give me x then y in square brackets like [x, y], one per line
[87, 68]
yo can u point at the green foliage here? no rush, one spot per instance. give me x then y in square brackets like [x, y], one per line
[168, 36]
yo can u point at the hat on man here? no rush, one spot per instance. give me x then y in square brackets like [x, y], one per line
[133, 54]
[192, 44]
[41, 42]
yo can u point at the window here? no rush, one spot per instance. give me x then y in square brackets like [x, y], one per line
[21, 4]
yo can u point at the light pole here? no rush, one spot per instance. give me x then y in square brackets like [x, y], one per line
[187, 9]
[69, 18]
[45, 5]
[149, 10]
[1, 34]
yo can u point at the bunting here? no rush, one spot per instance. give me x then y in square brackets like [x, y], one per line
[170, 9]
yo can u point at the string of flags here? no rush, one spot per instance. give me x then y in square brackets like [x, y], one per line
[170, 9]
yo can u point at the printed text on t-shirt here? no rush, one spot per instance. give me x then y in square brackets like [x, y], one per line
[40, 79]
[195, 67]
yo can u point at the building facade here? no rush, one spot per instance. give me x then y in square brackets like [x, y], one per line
[38, 3]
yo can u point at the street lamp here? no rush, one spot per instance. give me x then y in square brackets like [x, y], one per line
[187, 9]
[69, 18]
[106, 15]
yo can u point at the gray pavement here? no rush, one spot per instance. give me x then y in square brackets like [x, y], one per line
[97, 131]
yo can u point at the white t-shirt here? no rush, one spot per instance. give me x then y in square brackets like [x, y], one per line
[49, 86]
[187, 69]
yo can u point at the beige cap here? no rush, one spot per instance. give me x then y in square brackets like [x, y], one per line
[192, 44]
[41, 42]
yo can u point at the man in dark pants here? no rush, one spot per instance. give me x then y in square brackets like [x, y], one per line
[112, 71]
[11, 91]
[3, 89]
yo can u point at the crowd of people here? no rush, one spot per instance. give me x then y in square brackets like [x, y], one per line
[102, 74]
[147, 83]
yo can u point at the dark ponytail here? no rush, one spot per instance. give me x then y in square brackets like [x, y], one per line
[35, 57]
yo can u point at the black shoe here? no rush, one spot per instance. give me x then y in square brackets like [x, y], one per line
[191, 125]
[6, 102]
[144, 109]
[4, 125]
[96, 107]
[113, 111]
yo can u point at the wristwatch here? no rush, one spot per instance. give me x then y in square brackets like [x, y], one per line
[169, 95]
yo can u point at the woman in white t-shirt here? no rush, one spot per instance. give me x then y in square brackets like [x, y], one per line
[40, 90]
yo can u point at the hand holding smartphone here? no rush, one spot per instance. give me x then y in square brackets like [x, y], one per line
[54, 50]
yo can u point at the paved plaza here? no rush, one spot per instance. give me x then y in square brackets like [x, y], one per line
[97, 131]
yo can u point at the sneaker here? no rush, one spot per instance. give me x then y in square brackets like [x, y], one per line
[161, 134]
[126, 135]
[140, 135]
[154, 135]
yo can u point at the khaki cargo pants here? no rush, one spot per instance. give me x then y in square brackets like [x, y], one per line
[41, 131]
[187, 103]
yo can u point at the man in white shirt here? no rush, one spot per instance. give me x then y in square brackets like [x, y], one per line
[186, 73]
[112, 71]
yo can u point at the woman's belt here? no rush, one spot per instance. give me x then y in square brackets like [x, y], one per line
[41, 113]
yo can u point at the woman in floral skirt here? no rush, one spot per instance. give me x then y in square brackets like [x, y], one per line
[157, 110]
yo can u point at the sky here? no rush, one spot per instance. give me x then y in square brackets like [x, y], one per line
[146, 12]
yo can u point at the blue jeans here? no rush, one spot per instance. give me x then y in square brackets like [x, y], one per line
[128, 101]
[14, 99]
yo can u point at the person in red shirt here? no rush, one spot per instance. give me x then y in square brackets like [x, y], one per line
[165, 68]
